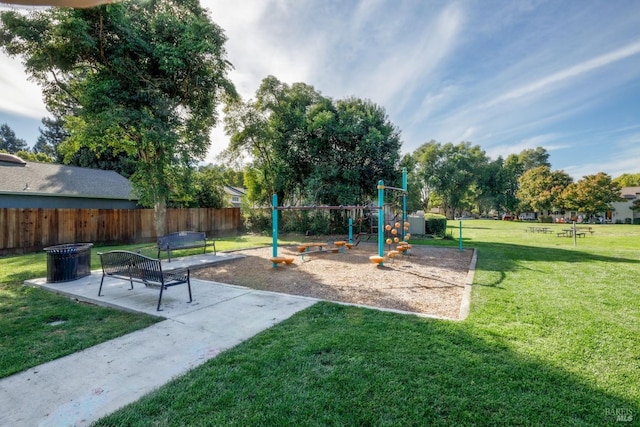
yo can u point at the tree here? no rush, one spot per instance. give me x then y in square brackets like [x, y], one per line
[229, 175]
[307, 148]
[351, 146]
[533, 157]
[202, 188]
[592, 194]
[494, 187]
[34, 157]
[209, 188]
[232, 177]
[513, 170]
[260, 130]
[418, 197]
[628, 180]
[9, 142]
[51, 137]
[140, 79]
[452, 172]
[541, 189]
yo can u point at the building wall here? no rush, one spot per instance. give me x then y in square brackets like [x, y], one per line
[622, 211]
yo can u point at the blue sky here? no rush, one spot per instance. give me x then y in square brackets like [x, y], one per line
[505, 75]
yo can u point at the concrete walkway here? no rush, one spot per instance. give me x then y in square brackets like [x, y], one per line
[78, 389]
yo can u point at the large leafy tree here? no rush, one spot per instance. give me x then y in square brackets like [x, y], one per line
[269, 131]
[533, 157]
[541, 189]
[592, 194]
[142, 79]
[512, 170]
[494, 187]
[352, 145]
[306, 148]
[9, 142]
[202, 188]
[628, 180]
[515, 165]
[453, 172]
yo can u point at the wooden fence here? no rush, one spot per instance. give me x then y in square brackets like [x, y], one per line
[28, 230]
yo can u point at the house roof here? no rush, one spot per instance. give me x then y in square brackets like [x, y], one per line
[20, 177]
[630, 193]
[235, 191]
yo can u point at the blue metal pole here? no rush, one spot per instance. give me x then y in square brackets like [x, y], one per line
[460, 236]
[404, 201]
[350, 230]
[274, 225]
[381, 219]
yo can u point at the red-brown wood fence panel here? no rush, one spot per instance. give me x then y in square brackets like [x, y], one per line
[28, 230]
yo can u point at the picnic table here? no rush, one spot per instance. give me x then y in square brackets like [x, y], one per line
[568, 232]
[534, 229]
[585, 229]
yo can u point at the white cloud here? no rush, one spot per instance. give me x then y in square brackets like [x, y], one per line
[517, 76]
[19, 95]
[568, 73]
[411, 60]
[466, 135]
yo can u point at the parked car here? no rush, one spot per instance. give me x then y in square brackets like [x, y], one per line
[508, 217]
[463, 217]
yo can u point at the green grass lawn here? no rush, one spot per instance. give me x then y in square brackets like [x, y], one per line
[552, 339]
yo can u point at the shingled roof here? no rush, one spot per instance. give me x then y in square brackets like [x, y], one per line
[630, 193]
[20, 177]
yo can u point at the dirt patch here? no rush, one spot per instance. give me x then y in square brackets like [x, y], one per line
[429, 281]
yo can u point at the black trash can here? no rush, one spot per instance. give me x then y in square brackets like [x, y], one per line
[68, 262]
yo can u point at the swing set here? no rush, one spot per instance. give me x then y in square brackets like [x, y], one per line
[379, 259]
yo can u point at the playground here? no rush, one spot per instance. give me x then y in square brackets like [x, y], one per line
[429, 281]
[389, 274]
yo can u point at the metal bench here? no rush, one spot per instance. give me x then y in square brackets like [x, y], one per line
[134, 267]
[183, 240]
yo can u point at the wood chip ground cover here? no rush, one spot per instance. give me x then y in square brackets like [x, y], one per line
[430, 281]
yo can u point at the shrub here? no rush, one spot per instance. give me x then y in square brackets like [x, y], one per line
[314, 222]
[257, 220]
[435, 224]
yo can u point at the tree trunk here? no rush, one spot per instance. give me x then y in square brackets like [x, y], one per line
[159, 217]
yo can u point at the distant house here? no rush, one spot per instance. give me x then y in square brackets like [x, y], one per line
[235, 195]
[51, 185]
[622, 212]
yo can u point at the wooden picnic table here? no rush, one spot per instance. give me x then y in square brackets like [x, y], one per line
[535, 229]
[585, 228]
[568, 232]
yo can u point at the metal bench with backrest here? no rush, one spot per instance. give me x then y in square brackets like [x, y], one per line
[135, 267]
[183, 240]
